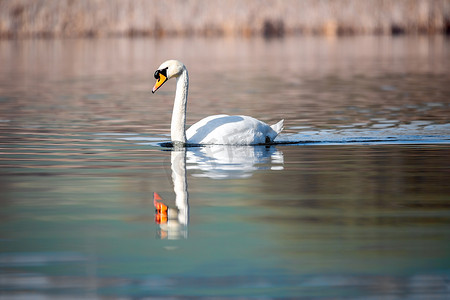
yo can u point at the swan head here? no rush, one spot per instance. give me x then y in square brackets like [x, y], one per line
[167, 70]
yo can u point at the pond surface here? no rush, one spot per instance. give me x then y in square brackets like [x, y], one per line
[353, 203]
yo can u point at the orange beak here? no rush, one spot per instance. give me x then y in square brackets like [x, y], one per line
[159, 82]
[161, 209]
[156, 196]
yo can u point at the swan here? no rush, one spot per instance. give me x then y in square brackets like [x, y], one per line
[216, 129]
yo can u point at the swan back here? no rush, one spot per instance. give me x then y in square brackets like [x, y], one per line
[232, 130]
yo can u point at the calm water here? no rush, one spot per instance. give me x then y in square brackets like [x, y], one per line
[354, 202]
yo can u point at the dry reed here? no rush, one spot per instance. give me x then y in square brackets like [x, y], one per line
[68, 18]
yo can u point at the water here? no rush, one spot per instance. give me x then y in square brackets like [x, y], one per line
[353, 202]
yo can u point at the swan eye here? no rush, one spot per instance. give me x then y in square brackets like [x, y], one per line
[163, 72]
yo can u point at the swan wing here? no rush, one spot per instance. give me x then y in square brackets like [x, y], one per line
[232, 130]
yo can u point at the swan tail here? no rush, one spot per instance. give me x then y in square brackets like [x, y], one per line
[278, 127]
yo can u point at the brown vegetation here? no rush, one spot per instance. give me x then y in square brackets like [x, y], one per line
[91, 18]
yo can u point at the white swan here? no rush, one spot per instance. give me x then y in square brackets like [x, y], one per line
[217, 129]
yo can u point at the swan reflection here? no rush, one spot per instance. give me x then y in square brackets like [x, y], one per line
[173, 221]
[217, 162]
[233, 162]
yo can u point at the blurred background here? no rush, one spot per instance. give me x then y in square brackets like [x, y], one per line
[93, 18]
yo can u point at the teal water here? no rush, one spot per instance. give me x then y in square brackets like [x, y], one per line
[353, 203]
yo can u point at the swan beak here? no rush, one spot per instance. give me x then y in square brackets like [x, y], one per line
[159, 82]
[161, 210]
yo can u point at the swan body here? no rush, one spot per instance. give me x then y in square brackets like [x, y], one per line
[232, 130]
[217, 129]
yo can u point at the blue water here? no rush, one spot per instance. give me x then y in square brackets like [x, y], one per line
[352, 202]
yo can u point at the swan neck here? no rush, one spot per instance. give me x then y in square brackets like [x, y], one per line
[178, 130]
[178, 164]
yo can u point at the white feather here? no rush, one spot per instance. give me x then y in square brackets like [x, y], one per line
[231, 130]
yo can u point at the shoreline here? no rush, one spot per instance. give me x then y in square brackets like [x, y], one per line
[215, 18]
